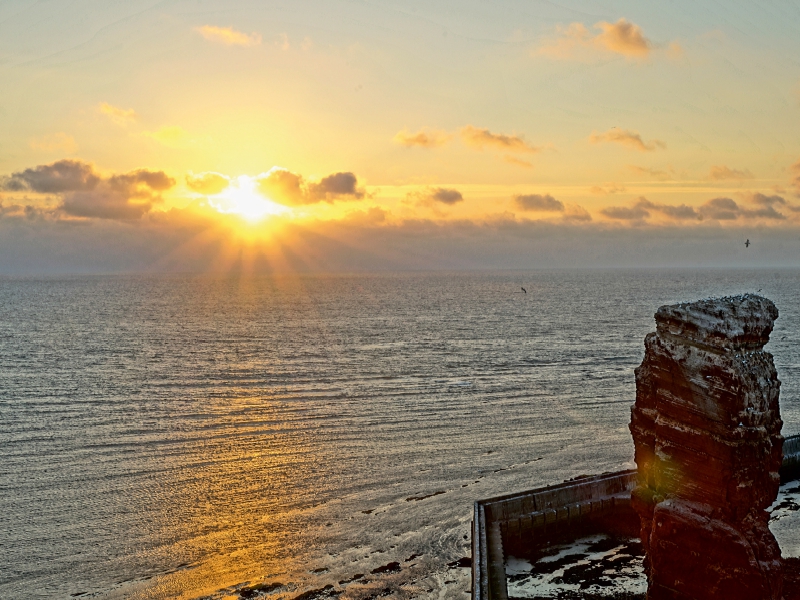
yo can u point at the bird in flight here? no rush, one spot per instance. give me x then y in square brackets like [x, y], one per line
[524, 290]
[747, 244]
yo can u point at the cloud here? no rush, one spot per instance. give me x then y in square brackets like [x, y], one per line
[721, 209]
[228, 36]
[538, 202]
[764, 200]
[336, 186]
[513, 160]
[623, 37]
[643, 207]
[61, 176]
[422, 139]
[291, 189]
[766, 207]
[577, 42]
[573, 212]
[370, 240]
[660, 175]
[483, 138]
[446, 196]
[610, 188]
[636, 212]
[372, 216]
[209, 183]
[679, 212]
[722, 173]
[120, 116]
[85, 193]
[283, 186]
[439, 195]
[20, 211]
[626, 138]
[57, 142]
[726, 209]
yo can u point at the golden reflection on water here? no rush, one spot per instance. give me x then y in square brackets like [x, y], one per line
[199, 432]
[232, 510]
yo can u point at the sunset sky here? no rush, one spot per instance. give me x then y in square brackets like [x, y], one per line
[219, 136]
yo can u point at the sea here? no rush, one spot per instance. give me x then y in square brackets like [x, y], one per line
[320, 436]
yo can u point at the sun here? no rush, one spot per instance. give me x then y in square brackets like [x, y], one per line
[242, 198]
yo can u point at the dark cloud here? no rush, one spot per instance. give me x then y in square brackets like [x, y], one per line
[722, 209]
[174, 241]
[766, 207]
[22, 211]
[336, 186]
[444, 195]
[85, 193]
[434, 198]
[726, 209]
[538, 202]
[767, 212]
[679, 212]
[447, 196]
[576, 213]
[625, 213]
[291, 189]
[61, 176]
[644, 207]
[764, 200]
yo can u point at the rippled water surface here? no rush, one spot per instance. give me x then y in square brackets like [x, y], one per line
[179, 436]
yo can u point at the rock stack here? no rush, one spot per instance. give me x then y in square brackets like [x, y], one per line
[706, 428]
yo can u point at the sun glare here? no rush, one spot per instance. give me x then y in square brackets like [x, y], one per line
[243, 199]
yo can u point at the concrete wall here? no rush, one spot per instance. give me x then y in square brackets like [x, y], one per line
[560, 512]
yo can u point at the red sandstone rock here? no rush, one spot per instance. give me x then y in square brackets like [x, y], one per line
[706, 429]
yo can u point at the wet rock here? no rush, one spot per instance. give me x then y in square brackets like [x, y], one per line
[706, 429]
[260, 589]
[319, 594]
[424, 496]
[392, 567]
[465, 562]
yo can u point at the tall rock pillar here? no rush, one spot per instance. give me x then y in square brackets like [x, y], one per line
[706, 429]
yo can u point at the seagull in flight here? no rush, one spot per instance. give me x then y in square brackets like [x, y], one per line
[524, 290]
[747, 243]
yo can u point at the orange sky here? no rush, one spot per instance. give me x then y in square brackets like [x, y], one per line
[356, 136]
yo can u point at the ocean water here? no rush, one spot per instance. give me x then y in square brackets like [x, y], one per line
[180, 436]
